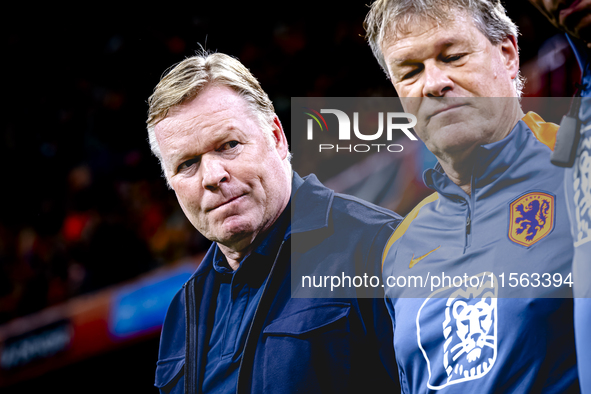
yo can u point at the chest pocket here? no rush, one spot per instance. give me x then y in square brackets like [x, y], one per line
[313, 320]
[303, 350]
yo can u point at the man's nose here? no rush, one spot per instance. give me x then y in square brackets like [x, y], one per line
[437, 81]
[214, 172]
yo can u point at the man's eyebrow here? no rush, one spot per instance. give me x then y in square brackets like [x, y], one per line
[411, 58]
[400, 62]
[216, 136]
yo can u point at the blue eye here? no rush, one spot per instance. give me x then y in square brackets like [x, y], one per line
[186, 164]
[229, 145]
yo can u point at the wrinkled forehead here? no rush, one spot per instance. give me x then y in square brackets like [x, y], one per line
[413, 23]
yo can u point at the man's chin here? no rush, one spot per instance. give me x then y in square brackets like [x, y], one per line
[450, 118]
[449, 132]
[453, 145]
[235, 235]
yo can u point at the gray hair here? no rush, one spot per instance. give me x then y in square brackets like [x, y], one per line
[389, 17]
[191, 76]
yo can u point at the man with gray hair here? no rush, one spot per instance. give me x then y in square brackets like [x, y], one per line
[496, 229]
[234, 327]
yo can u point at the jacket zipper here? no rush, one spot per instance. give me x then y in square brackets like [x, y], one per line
[470, 203]
[468, 231]
[190, 339]
[245, 353]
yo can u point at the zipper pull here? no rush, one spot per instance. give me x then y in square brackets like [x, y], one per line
[468, 225]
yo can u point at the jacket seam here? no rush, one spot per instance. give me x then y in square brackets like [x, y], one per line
[332, 304]
[370, 206]
[167, 360]
[374, 240]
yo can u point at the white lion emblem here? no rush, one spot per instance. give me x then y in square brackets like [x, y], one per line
[466, 349]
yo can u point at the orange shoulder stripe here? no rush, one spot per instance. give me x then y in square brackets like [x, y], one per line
[545, 132]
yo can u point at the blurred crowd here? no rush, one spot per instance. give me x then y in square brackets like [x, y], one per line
[89, 233]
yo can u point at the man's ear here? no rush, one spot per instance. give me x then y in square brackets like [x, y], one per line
[279, 139]
[510, 53]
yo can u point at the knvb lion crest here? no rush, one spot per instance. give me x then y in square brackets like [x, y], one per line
[531, 218]
[458, 336]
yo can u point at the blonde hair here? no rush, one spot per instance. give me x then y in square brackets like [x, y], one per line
[191, 76]
[389, 17]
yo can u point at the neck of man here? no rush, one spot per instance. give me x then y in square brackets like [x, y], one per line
[460, 171]
[458, 166]
[236, 251]
[234, 257]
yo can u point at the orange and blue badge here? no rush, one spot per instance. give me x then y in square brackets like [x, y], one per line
[531, 218]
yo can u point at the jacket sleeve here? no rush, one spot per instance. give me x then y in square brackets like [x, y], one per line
[382, 321]
[171, 355]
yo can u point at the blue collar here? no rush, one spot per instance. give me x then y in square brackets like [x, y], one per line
[312, 203]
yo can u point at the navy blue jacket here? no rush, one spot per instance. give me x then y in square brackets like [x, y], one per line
[306, 345]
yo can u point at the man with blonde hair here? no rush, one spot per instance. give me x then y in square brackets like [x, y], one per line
[495, 230]
[235, 327]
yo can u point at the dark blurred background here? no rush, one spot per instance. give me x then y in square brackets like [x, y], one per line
[83, 207]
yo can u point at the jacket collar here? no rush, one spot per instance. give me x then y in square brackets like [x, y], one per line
[311, 203]
[206, 264]
[491, 162]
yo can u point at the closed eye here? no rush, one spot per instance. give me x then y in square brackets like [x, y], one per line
[453, 58]
[412, 73]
